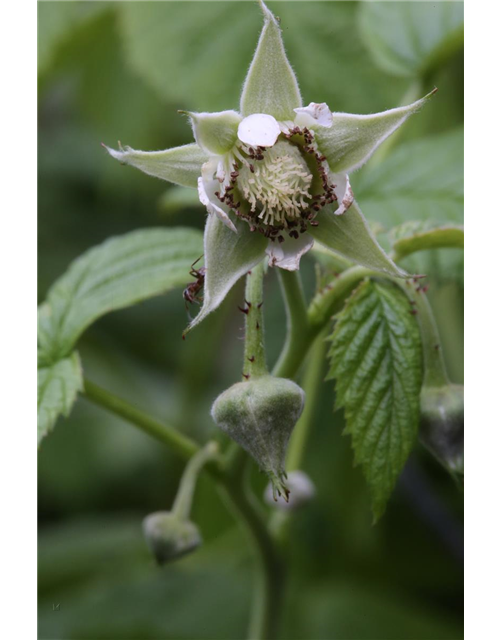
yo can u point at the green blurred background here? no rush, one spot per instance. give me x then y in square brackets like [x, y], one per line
[120, 70]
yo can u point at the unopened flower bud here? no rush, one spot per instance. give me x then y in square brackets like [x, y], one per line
[302, 490]
[169, 537]
[260, 415]
[442, 424]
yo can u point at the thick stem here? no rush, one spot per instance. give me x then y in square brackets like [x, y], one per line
[268, 594]
[255, 355]
[297, 338]
[312, 385]
[180, 444]
[326, 302]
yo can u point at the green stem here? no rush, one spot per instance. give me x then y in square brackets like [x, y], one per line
[326, 302]
[184, 498]
[270, 574]
[255, 353]
[298, 337]
[312, 385]
[180, 444]
[435, 374]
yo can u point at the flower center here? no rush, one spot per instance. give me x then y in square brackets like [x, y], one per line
[277, 188]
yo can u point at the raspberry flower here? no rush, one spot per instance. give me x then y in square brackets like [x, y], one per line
[274, 177]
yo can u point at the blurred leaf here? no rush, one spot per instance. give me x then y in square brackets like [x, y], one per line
[331, 63]
[360, 610]
[118, 273]
[197, 53]
[109, 587]
[414, 236]
[57, 23]
[178, 198]
[376, 362]
[58, 386]
[411, 38]
[420, 180]
[191, 53]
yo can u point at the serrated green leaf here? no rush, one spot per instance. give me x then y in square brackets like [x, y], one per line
[270, 86]
[58, 386]
[412, 38]
[414, 236]
[116, 274]
[376, 361]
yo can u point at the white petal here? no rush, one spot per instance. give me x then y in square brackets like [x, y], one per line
[207, 187]
[314, 114]
[287, 254]
[259, 130]
[343, 191]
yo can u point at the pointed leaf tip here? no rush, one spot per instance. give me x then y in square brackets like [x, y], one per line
[352, 138]
[180, 165]
[228, 256]
[270, 86]
[350, 236]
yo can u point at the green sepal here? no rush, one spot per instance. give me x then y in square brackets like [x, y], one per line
[352, 139]
[228, 256]
[270, 86]
[350, 236]
[215, 133]
[180, 165]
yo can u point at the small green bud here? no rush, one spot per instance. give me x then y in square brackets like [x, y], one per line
[260, 415]
[442, 424]
[302, 491]
[170, 537]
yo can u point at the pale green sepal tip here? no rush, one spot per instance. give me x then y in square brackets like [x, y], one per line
[350, 236]
[180, 165]
[215, 133]
[270, 86]
[228, 256]
[352, 138]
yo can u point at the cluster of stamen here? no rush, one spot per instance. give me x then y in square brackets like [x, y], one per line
[275, 184]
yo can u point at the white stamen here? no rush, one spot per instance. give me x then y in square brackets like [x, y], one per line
[279, 184]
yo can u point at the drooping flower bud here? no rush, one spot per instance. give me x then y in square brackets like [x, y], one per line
[171, 534]
[169, 537]
[260, 415]
[442, 424]
[302, 490]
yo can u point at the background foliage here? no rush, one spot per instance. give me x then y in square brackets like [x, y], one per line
[110, 71]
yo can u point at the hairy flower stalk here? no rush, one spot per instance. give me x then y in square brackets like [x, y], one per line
[274, 176]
